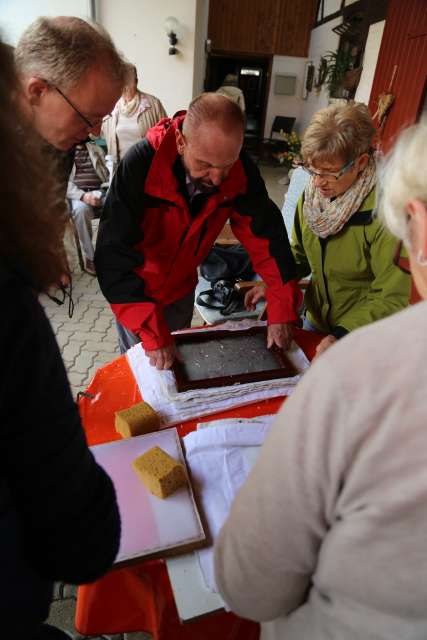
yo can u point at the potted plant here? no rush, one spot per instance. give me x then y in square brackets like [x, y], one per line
[338, 64]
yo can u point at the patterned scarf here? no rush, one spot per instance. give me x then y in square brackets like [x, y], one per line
[327, 217]
[138, 104]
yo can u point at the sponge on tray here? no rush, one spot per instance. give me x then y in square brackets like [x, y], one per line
[161, 474]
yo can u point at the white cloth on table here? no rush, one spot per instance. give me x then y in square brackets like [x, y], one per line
[220, 458]
[158, 388]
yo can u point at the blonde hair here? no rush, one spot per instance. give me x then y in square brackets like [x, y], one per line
[402, 176]
[61, 50]
[212, 107]
[338, 131]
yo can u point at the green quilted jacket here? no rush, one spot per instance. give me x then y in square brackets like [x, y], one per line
[354, 281]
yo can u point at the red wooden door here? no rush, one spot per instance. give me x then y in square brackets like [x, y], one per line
[403, 53]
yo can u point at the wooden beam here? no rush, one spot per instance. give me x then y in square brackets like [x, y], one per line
[332, 16]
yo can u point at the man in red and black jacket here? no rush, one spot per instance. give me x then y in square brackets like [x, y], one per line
[169, 199]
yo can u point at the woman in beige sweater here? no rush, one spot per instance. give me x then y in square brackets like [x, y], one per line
[328, 537]
[133, 115]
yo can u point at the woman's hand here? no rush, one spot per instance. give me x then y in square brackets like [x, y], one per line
[324, 345]
[253, 296]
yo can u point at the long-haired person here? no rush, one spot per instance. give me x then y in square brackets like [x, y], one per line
[59, 518]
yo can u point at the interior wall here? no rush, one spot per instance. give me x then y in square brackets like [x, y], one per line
[330, 6]
[17, 16]
[138, 31]
[322, 39]
[280, 105]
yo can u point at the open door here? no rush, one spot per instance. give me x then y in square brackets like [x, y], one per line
[253, 78]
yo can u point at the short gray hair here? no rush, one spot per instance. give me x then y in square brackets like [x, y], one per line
[61, 50]
[402, 176]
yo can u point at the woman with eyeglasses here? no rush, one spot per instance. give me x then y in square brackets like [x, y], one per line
[337, 237]
[327, 537]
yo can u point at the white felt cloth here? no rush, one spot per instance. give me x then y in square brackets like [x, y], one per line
[220, 458]
[158, 388]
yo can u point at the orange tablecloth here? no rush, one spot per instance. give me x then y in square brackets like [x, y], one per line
[140, 598]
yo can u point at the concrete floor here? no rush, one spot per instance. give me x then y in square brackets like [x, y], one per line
[87, 341]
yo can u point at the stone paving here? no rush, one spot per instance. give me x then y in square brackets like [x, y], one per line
[88, 340]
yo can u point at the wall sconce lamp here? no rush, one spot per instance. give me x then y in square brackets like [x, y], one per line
[171, 25]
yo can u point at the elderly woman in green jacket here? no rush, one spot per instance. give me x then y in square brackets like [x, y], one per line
[337, 237]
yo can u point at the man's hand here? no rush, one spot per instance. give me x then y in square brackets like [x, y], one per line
[162, 358]
[280, 335]
[253, 296]
[324, 344]
[92, 200]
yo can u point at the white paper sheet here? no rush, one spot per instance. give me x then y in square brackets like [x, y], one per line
[158, 388]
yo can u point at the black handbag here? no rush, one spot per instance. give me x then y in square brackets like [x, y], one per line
[223, 267]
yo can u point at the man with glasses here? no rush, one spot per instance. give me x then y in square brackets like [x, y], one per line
[71, 76]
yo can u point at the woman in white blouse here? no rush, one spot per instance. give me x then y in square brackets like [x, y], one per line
[132, 116]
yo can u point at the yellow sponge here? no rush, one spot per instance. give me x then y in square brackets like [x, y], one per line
[161, 474]
[139, 419]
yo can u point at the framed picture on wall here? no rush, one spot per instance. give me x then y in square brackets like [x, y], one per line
[285, 84]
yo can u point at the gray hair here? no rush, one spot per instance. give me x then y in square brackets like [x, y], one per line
[402, 176]
[216, 109]
[61, 50]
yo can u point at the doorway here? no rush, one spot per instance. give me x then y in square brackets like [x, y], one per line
[253, 78]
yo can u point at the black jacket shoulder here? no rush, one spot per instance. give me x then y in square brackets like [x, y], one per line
[66, 504]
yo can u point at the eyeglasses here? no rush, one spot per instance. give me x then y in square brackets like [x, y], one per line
[67, 292]
[401, 262]
[88, 123]
[326, 176]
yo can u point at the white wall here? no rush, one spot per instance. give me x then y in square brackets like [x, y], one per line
[137, 29]
[279, 105]
[330, 6]
[370, 59]
[17, 15]
[322, 39]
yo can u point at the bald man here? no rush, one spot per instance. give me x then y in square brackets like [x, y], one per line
[170, 197]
